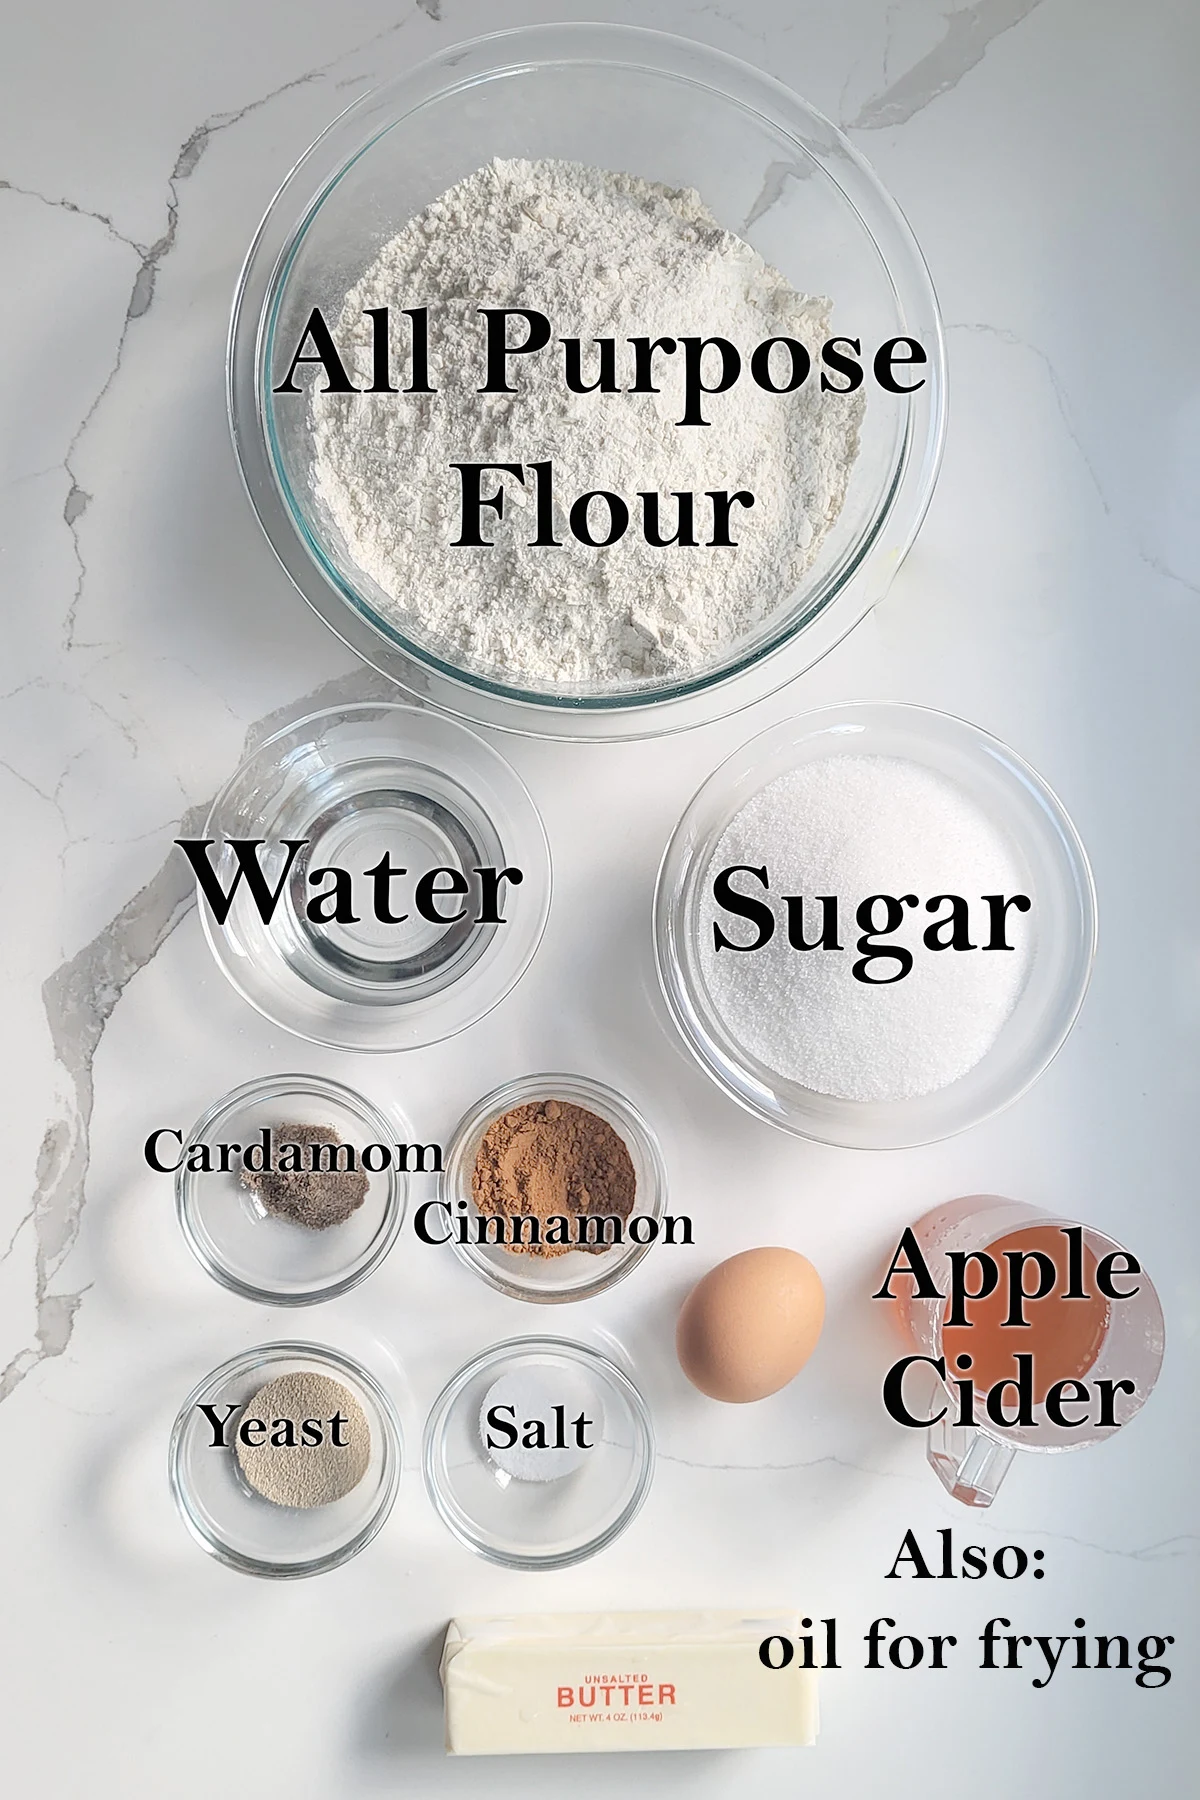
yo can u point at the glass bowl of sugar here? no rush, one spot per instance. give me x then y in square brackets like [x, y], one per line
[285, 1460]
[539, 1453]
[874, 926]
[708, 525]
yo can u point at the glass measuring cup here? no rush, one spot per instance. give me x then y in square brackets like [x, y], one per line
[972, 1459]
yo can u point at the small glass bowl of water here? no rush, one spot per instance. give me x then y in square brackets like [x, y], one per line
[403, 876]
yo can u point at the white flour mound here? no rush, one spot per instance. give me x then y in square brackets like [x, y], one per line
[601, 255]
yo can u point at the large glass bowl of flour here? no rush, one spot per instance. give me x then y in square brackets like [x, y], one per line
[586, 639]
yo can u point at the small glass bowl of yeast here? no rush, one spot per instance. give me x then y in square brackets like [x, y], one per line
[234, 1502]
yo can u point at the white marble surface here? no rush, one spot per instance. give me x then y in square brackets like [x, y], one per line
[1045, 152]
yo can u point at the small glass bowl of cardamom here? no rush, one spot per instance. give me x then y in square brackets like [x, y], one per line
[285, 1460]
[554, 1188]
[291, 1189]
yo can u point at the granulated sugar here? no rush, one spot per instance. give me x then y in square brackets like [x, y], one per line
[601, 255]
[852, 827]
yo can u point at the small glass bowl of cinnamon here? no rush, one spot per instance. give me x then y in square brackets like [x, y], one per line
[554, 1188]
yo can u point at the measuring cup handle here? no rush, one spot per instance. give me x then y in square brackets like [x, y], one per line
[969, 1464]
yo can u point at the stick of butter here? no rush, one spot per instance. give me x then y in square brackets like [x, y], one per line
[622, 1681]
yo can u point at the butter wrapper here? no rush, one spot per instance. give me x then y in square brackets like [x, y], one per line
[550, 1682]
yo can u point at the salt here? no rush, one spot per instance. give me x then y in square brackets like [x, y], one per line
[853, 826]
[519, 1398]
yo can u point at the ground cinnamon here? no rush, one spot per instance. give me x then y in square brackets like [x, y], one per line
[552, 1159]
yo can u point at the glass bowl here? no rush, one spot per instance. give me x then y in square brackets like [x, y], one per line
[355, 783]
[578, 1274]
[230, 1519]
[1055, 874]
[771, 169]
[508, 1505]
[259, 1254]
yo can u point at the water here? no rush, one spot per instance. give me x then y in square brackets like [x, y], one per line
[353, 816]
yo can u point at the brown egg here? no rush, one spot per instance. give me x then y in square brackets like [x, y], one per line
[750, 1325]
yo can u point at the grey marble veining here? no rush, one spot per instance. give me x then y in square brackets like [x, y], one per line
[968, 32]
[79, 999]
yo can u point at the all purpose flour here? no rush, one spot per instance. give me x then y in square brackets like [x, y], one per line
[601, 255]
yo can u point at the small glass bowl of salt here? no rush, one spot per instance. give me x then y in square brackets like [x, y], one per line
[538, 1453]
[874, 926]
